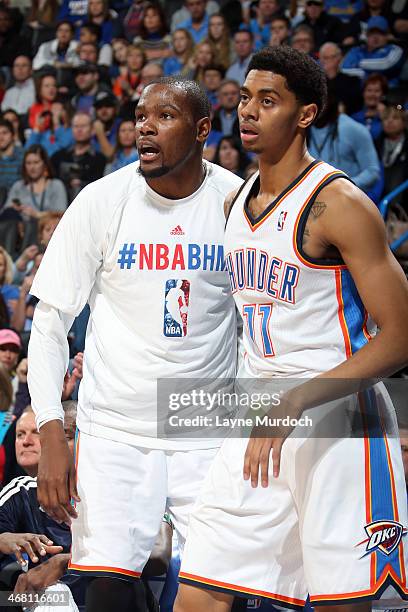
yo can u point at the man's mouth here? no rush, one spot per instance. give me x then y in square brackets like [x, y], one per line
[148, 151]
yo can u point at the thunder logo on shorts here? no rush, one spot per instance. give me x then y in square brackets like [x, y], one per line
[176, 300]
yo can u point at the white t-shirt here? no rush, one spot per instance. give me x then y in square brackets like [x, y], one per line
[152, 270]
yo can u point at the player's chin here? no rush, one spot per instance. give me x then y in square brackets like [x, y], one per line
[150, 171]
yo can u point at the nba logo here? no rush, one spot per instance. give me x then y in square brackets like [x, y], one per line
[176, 300]
[281, 220]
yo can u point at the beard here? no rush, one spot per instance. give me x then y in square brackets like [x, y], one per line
[155, 173]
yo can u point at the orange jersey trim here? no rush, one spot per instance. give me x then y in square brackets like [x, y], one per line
[388, 571]
[104, 568]
[298, 254]
[254, 227]
[240, 589]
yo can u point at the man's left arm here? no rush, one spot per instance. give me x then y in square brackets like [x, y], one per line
[354, 225]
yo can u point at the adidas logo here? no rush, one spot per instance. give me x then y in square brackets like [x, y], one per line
[177, 231]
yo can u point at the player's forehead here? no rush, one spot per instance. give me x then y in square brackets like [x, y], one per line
[258, 82]
[157, 94]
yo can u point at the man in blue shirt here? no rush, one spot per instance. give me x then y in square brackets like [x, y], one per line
[197, 23]
[375, 56]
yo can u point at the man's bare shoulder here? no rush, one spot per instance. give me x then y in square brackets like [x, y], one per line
[345, 213]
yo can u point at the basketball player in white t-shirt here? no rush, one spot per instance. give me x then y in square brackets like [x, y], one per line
[124, 245]
[302, 245]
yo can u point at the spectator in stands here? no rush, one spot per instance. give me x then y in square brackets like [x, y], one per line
[355, 31]
[106, 124]
[8, 291]
[219, 37]
[22, 94]
[28, 448]
[212, 79]
[6, 416]
[346, 88]
[128, 81]
[125, 150]
[377, 55]
[75, 12]
[10, 348]
[183, 13]
[119, 56]
[11, 158]
[203, 56]
[374, 90]
[392, 147]
[183, 48]
[22, 316]
[154, 36]
[43, 13]
[226, 117]
[80, 164]
[339, 140]
[6, 390]
[280, 31]
[303, 40]
[58, 135]
[325, 27]
[91, 33]
[88, 53]
[261, 25]
[197, 22]
[25, 263]
[4, 314]
[36, 192]
[87, 83]
[100, 14]
[11, 43]
[243, 47]
[46, 93]
[60, 52]
[131, 19]
[16, 122]
[230, 155]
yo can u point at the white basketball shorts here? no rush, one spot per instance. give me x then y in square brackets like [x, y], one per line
[125, 491]
[332, 525]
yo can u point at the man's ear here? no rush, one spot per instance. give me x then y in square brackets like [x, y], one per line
[307, 115]
[203, 129]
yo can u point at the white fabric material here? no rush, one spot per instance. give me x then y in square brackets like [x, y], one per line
[124, 493]
[305, 532]
[56, 590]
[293, 311]
[129, 344]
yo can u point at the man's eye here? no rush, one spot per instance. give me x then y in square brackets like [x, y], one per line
[267, 102]
[139, 118]
[166, 116]
[243, 98]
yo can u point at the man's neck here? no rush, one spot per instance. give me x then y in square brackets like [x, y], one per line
[278, 171]
[8, 151]
[90, 92]
[197, 23]
[127, 150]
[81, 147]
[181, 184]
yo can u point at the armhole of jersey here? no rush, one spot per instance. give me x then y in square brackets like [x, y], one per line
[235, 199]
[302, 224]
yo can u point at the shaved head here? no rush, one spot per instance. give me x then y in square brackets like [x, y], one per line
[195, 97]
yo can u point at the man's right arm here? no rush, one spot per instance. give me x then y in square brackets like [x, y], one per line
[63, 283]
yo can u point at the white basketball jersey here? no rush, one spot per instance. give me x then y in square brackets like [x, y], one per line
[301, 316]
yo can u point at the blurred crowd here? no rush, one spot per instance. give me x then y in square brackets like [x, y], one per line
[71, 75]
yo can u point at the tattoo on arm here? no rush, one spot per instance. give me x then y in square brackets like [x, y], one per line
[317, 209]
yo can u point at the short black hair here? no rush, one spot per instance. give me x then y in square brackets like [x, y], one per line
[7, 124]
[93, 28]
[196, 98]
[303, 75]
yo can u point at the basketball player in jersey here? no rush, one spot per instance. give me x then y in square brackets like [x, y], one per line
[124, 242]
[307, 257]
